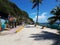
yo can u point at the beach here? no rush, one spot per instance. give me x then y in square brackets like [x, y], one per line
[30, 35]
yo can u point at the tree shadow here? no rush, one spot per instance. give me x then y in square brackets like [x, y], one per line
[47, 35]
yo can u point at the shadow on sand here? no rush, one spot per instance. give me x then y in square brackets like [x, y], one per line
[47, 35]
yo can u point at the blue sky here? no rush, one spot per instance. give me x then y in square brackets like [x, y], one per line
[45, 8]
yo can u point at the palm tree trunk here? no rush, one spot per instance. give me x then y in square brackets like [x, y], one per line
[37, 15]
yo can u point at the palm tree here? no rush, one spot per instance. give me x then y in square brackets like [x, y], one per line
[56, 13]
[58, 0]
[36, 4]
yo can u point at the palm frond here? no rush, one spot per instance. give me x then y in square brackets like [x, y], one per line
[56, 13]
[58, 0]
[40, 1]
[34, 5]
[53, 12]
[59, 17]
[33, 1]
[36, 2]
[51, 18]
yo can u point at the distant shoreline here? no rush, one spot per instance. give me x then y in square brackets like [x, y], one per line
[53, 26]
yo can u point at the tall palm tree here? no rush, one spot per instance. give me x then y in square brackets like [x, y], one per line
[58, 0]
[36, 4]
[56, 13]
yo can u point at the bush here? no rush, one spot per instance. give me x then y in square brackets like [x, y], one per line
[59, 28]
[54, 26]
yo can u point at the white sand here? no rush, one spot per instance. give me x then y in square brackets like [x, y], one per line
[27, 36]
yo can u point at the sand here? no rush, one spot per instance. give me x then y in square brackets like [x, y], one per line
[29, 35]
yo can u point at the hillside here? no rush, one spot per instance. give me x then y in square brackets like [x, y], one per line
[7, 7]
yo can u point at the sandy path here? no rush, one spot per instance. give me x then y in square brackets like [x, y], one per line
[30, 36]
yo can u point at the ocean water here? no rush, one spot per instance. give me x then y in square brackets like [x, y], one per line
[53, 26]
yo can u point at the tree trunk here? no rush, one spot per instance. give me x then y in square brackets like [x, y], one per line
[37, 15]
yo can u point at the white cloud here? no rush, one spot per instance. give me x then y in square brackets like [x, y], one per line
[41, 18]
[34, 13]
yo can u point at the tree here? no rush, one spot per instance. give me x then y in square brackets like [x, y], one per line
[56, 13]
[36, 4]
[7, 7]
[58, 0]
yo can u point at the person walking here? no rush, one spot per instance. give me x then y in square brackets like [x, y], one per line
[14, 21]
[10, 20]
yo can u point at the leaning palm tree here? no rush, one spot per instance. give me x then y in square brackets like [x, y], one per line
[56, 13]
[36, 4]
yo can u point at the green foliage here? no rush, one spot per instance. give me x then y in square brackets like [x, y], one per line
[8, 7]
[58, 0]
[31, 19]
[36, 3]
[25, 14]
[56, 13]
